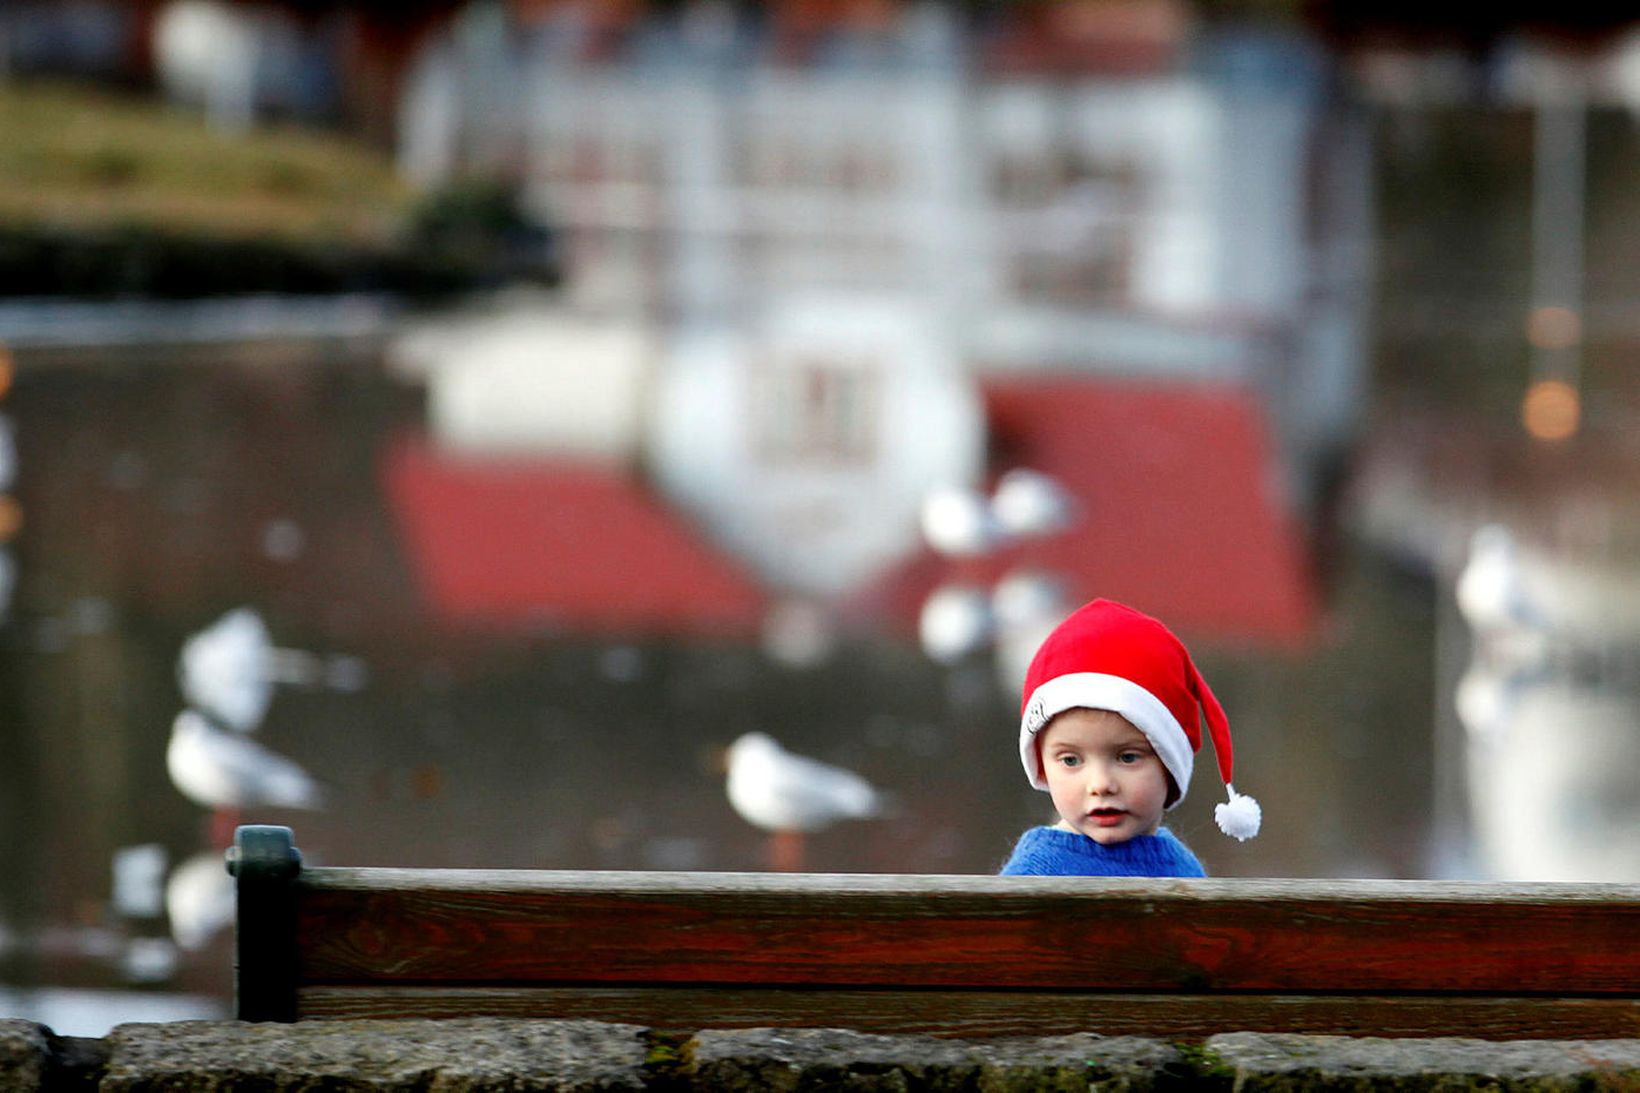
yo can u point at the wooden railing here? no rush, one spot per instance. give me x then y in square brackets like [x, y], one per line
[954, 955]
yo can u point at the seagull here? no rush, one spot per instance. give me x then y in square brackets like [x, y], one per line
[225, 669]
[229, 670]
[1027, 604]
[792, 795]
[958, 522]
[1028, 598]
[1486, 698]
[1028, 502]
[955, 620]
[199, 900]
[1492, 590]
[228, 773]
[138, 871]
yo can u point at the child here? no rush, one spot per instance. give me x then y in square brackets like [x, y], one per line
[1109, 726]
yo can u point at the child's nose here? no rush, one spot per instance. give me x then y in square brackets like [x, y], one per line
[1104, 780]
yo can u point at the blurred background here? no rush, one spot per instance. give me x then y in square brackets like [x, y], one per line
[446, 426]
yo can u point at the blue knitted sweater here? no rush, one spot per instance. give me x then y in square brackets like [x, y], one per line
[1055, 852]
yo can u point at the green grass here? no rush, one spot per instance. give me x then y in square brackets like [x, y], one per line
[79, 158]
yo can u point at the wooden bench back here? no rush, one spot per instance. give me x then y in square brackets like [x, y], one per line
[957, 955]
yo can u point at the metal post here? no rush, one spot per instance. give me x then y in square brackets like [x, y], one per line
[265, 864]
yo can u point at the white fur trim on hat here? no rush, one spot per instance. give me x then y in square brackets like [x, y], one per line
[1099, 691]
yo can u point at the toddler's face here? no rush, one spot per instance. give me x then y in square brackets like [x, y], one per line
[1105, 779]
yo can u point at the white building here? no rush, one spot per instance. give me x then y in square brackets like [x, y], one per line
[841, 245]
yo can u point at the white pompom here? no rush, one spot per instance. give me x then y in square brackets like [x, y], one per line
[1238, 818]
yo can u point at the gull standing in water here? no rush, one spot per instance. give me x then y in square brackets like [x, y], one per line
[199, 900]
[1029, 503]
[230, 668]
[226, 669]
[1495, 590]
[791, 795]
[227, 772]
[957, 522]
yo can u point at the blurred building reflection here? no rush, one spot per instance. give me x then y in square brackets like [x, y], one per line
[865, 251]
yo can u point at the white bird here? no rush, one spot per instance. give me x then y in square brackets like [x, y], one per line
[229, 670]
[955, 620]
[792, 795]
[957, 521]
[1027, 604]
[1028, 598]
[205, 54]
[1492, 591]
[1488, 694]
[138, 871]
[1028, 502]
[225, 669]
[199, 900]
[222, 770]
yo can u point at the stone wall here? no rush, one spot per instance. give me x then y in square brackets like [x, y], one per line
[482, 1054]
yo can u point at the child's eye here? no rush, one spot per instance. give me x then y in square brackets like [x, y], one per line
[1070, 760]
[1130, 756]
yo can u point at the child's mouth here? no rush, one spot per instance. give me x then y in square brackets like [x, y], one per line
[1107, 817]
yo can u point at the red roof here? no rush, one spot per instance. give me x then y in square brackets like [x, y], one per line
[1181, 516]
[560, 542]
[1181, 511]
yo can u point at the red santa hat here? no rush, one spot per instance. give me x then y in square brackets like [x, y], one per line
[1107, 656]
